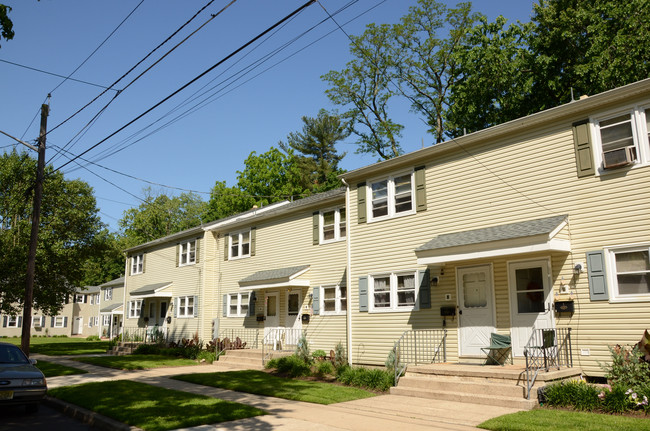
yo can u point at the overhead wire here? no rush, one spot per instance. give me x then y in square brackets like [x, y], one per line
[69, 78]
[201, 75]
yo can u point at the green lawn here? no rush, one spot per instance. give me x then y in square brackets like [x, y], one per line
[551, 420]
[136, 362]
[57, 346]
[261, 383]
[152, 408]
[50, 369]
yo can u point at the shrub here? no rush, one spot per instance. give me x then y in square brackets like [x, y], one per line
[616, 400]
[340, 359]
[291, 365]
[92, 338]
[324, 368]
[302, 349]
[272, 363]
[627, 367]
[376, 379]
[147, 349]
[319, 354]
[209, 357]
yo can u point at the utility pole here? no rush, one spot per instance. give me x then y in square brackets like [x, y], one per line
[33, 240]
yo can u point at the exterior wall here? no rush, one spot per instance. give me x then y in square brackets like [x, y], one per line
[117, 299]
[281, 242]
[513, 178]
[86, 311]
[160, 266]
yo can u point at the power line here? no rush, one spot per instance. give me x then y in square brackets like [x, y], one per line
[201, 75]
[56, 74]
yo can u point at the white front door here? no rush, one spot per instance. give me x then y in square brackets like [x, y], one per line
[475, 309]
[272, 311]
[530, 300]
[292, 320]
[77, 325]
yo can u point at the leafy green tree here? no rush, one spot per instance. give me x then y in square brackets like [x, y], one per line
[106, 262]
[68, 227]
[366, 86]
[6, 26]
[315, 150]
[226, 201]
[159, 216]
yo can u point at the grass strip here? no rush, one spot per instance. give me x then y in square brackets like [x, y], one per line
[150, 407]
[50, 369]
[548, 419]
[57, 346]
[137, 362]
[261, 383]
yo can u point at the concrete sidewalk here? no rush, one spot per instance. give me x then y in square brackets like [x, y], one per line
[380, 412]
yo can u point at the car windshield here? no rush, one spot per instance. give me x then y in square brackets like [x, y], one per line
[12, 355]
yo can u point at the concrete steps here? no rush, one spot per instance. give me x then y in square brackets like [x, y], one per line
[249, 358]
[485, 385]
[122, 349]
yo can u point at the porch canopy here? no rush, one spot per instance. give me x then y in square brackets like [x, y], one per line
[113, 309]
[270, 278]
[545, 234]
[156, 290]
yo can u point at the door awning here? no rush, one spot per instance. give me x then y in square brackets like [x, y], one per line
[113, 308]
[270, 278]
[156, 290]
[545, 234]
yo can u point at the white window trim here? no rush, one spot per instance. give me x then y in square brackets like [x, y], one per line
[135, 309]
[239, 313]
[137, 264]
[393, 292]
[639, 133]
[337, 225]
[391, 196]
[106, 320]
[183, 311]
[108, 294]
[186, 254]
[338, 309]
[59, 323]
[240, 255]
[15, 322]
[612, 280]
[40, 320]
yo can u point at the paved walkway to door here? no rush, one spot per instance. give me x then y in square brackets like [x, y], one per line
[383, 412]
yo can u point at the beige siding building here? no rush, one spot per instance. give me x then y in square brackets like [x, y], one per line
[111, 308]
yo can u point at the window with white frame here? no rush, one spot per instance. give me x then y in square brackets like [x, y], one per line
[187, 253]
[623, 138]
[394, 291]
[108, 294]
[106, 320]
[137, 264]
[334, 299]
[37, 321]
[392, 196]
[238, 304]
[135, 308]
[79, 298]
[240, 244]
[631, 273]
[185, 306]
[332, 225]
[91, 299]
[59, 322]
[12, 321]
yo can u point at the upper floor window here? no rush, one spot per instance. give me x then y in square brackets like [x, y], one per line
[623, 138]
[187, 253]
[393, 292]
[137, 264]
[392, 196]
[240, 244]
[238, 304]
[108, 294]
[333, 225]
[631, 273]
[80, 298]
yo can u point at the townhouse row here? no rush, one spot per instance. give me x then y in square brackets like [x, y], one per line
[541, 222]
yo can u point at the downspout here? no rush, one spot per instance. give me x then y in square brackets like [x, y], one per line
[348, 241]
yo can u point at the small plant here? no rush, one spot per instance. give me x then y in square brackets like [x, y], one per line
[391, 360]
[293, 365]
[627, 367]
[376, 379]
[92, 338]
[302, 349]
[340, 358]
[147, 349]
[206, 356]
[324, 368]
[616, 400]
[319, 355]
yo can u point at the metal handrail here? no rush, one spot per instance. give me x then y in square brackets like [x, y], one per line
[419, 346]
[546, 348]
[248, 337]
[279, 339]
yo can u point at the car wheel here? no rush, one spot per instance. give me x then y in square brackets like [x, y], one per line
[32, 408]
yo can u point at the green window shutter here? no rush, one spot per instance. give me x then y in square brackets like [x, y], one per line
[420, 189]
[253, 241]
[178, 254]
[226, 241]
[252, 298]
[597, 275]
[51, 322]
[361, 202]
[425, 289]
[583, 148]
[363, 293]
[43, 321]
[4, 321]
[225, 305]
[65, 322]
[20, 321]
[196, 306]
[197, 250]
[144, 261]
[316, 301]
[315, 228]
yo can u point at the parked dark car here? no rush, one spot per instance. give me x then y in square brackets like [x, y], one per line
[20, 381]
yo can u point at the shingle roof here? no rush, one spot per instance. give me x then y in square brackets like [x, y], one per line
[117, 282]
[273, 274]
[495, 233]
[110, 308]
[149, 289]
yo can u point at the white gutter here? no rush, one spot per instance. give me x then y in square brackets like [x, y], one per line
[348, 241]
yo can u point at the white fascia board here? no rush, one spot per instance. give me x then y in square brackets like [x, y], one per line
[291, 283]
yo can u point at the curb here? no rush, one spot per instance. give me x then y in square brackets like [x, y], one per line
[88, 417]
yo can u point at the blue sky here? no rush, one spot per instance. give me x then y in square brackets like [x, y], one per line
[206, 144]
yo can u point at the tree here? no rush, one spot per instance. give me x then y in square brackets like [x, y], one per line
[6, 26]
[226, 201]
[68, 226]
[366, 85]
[106, 261]
[159, 216]
[315, 151]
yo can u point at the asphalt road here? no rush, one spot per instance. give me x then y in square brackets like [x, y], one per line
[13, 418]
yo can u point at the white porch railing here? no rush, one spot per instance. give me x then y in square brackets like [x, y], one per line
[154, 334]
[280, 339]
